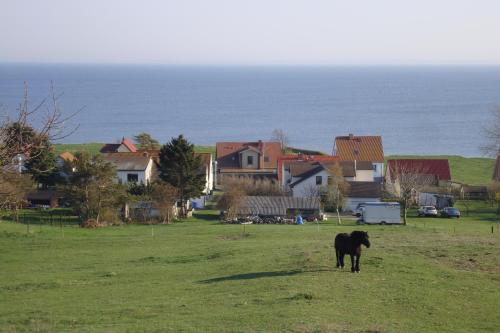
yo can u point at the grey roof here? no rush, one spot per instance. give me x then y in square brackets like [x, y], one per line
[277, 205]
[128, 161]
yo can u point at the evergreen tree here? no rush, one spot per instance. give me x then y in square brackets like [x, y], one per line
[43, 168]
[146, 141]
[181, 168]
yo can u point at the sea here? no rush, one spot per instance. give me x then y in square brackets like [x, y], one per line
[427, 110]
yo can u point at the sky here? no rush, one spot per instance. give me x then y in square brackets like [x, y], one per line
[251, 32]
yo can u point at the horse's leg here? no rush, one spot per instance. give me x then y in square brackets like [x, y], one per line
[337, 256]
[352, 263]
[342, 259]
[357, 262]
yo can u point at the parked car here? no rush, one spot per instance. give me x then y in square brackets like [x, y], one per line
[427, 211]
[450, 212]
[359, 209]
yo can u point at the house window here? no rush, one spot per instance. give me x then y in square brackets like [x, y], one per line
[330, 180]
[250, 160]
[319, 180]
[266, 158]
[132, 177]
[375, 167]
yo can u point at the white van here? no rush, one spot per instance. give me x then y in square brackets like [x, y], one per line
[381, 213]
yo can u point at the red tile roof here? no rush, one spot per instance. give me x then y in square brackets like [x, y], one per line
[439, 168]
[360, 148]
[226, 153]
[130, 146]
[113, 147]
[67, 156]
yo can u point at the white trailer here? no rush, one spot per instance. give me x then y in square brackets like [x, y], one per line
[381, 213]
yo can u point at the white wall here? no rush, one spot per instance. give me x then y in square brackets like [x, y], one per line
[303, 189]
[364, 176]
[143, 176]
[244, 156]
[209, 177]
[350, 204]
[379, 172]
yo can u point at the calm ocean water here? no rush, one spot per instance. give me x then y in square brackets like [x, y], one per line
[417, 110]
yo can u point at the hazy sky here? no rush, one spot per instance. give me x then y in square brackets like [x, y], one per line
[251, 32]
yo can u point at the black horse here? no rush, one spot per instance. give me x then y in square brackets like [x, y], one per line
[350, 244]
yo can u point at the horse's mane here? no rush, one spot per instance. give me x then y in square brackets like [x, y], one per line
[358, 234]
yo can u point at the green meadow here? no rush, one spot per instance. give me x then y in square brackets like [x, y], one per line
[433, 275]
[466, 170]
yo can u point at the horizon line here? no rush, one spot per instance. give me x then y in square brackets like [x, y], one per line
[409, 64]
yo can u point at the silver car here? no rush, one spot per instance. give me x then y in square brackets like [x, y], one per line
[427, 211]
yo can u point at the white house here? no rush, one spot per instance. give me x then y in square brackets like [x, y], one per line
[362, 148]
[208, 171]
[132, 167]
[310, 183]
[125, 146]
[304, 178]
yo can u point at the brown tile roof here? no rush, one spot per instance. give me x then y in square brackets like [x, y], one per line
[298, 168]
[437, 168]
[227, 153]
[67, 156]
[360, 148]
[364, 190]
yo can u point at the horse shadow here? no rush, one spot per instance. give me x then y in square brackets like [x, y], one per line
[259, 275]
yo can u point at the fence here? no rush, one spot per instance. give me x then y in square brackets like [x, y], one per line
[43, 217]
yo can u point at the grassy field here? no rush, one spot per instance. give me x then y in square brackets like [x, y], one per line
[434, 275]
[467, 170]
[94, 148]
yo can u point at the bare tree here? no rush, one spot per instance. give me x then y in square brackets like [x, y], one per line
[164, 198]
[336, 189]
[14, 187]
[280, 136]
[231, 201]
[18, 135]
[492, 134]
[21, 142]
[404, 184]
[311, 191]
[252, 186]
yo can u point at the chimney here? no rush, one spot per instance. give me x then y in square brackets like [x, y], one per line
[351, 136]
